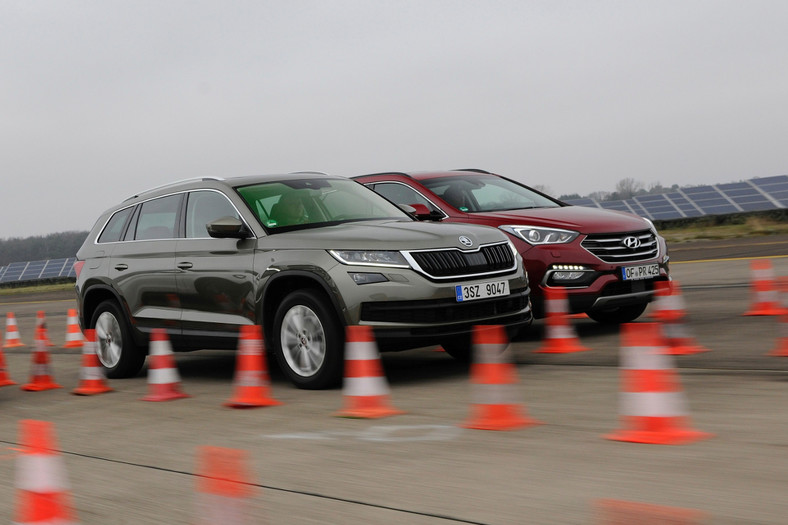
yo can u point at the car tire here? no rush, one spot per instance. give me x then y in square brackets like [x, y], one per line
[308, 341]
[460, 348]
[117, 352]
[618, 314]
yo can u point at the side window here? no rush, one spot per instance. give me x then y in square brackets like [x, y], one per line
[114, 228]
[158, 218]
[401, 194]
[204, 207]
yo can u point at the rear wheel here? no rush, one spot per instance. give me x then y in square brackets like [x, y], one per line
[308, 340]
[618, 314]
[116, 350]
[460, 348]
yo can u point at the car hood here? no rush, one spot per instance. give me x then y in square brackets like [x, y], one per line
[577, 218]
[385, 235]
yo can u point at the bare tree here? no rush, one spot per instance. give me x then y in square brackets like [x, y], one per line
[628, 188]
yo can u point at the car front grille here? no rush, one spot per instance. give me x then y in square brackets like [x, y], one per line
[613, 248]
[444, 311]
[441, 264]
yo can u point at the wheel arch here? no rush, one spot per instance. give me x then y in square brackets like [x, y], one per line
[278, 286]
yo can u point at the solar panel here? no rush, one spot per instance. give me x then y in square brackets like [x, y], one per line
[14, 271]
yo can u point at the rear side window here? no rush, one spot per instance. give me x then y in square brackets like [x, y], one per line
[158, 218]
[114, 228]
[204, 207]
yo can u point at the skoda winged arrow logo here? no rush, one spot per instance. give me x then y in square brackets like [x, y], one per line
[631, 242]
[466, 241]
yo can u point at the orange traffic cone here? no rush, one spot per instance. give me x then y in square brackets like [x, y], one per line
[618, 512]
[40, 372]
[765, 297]
[493, 379]
[73, 333]
[252, 382]
[41, 322]
[781, 348]
[41, 482]
[652, 406]
[365, 389]
[92, 377]
[223, 487]
[560, 337]
[163, 378]
[671, 311]
[12, 338]
[5, 380]
[668, 303]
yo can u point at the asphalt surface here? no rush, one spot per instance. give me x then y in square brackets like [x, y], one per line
[131, 461]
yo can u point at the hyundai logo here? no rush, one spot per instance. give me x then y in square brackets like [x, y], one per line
[631, 242]
[466, 241]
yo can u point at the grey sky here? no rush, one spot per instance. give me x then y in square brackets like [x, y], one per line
[102, 99]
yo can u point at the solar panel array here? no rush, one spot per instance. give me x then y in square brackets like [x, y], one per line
[766, 193]
[37, 270]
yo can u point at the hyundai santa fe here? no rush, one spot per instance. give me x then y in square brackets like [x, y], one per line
[607, 261]
[303, 255]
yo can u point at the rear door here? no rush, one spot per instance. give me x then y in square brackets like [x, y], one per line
[215, 277]
[143, 265]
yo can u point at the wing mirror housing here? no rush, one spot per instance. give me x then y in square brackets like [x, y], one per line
[228, 228]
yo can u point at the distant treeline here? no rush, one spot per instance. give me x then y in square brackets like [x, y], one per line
[52, 246]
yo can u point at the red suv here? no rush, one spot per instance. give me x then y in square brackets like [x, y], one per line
[606, 260]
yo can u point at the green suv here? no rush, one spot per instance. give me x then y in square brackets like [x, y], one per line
[303, 255]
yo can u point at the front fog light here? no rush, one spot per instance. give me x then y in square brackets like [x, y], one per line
[367, 278]
[568, 272]
[567, 276]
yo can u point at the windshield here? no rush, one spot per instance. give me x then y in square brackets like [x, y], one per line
[309, 203]
[484, 193]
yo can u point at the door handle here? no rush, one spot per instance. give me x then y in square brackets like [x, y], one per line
[184, 265]
[121, 267]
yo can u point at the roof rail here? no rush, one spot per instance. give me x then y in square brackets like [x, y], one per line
[309, 172]
[170, 184]
[383, 173]
[475, 170]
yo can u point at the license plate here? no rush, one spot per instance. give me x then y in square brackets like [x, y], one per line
[471, 292]
[636, 273]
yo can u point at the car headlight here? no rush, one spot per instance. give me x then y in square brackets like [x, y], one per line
[391, 259]
[538, 235]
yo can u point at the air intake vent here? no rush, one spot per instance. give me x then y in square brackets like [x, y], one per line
[623, 247]
[441, 264]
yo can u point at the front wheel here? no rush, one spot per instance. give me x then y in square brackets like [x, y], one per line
[618, 314]
[116, 350]
[308, 340]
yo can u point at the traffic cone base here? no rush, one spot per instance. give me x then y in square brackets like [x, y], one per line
[163, 392]
[499, 417]
[371, 407]
[658, 431]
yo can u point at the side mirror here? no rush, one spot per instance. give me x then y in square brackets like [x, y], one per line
[228, 228]
[418, 211]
